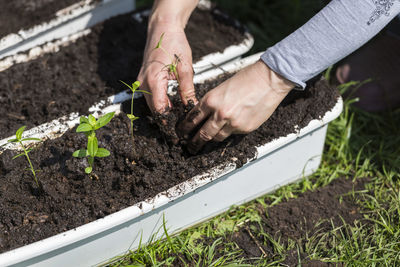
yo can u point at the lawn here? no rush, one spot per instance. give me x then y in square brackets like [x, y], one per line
[361, 147]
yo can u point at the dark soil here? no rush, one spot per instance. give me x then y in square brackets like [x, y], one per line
[71, 198]
[90, 69]
[297, 218]
[24, 14]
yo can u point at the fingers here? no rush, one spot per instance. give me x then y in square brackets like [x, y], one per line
[197, 115]
[156, 84]
[224, 133]
[158, 102]
[206, 133]
[186, 90]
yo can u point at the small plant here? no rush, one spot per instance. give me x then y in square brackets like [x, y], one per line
[173, 66]
[134, 89]
[20, 140]
[88, 126]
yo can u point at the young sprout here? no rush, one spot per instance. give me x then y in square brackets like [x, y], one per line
[88, 126]
[173, 66]
[134, 89]
[20, 140]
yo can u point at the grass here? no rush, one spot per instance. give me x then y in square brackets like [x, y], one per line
[358, 145]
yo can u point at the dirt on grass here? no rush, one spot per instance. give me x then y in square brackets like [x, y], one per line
[299, 218]
[70, 198]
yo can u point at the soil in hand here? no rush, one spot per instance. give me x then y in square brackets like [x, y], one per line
[90, 70]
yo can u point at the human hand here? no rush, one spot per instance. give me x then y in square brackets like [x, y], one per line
[154, 74]
[237, 106]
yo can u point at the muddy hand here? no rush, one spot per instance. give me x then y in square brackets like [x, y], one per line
[168, 19]
[237, 106]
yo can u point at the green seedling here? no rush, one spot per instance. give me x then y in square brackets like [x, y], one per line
[88, 126]
[172, 68]
[134, 89]
[18, 139]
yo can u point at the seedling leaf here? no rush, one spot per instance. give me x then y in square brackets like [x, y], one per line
[88, 170]
[84, 127]
[132, 117]
[160, 41]
[81, 153]
[83, 120]
[102, 152]
[19, 132]
[89, 125]
[144, 91]
[19, 155]
[31, 139]
[127, 85]
[18, 139]
[92, 120]
[104, 120]
[92, 146]
[135, 85]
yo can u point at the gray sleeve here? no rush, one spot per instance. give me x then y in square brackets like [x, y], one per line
[336, 31]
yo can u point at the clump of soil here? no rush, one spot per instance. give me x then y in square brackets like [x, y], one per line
[297, 218]
[71, 198]
[22, 14]
[90, 69]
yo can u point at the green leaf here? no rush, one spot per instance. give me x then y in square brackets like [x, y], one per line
[127, 85]
[102, 152]
[92, 120]
[92, 146]
[31, 139]
[19, 155]
[12, 141]
[160, 41]
[88, 170]
[84, 127]
[83, 120]
[144, 91]
[135, 85]
[81, 153]
[132, 117]
[102, 121]
[19, 132]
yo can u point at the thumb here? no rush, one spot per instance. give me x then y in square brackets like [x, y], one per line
[186, 86]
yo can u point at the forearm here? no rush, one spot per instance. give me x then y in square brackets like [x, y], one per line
[174, 12]
[336, 31]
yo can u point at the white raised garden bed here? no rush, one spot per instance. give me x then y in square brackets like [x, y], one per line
[184, 205]
[70, 20]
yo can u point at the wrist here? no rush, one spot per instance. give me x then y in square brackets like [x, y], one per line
[172, 22]
[273, 80]
[175, 13]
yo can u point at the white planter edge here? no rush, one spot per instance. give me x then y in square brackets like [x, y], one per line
[68, 21]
